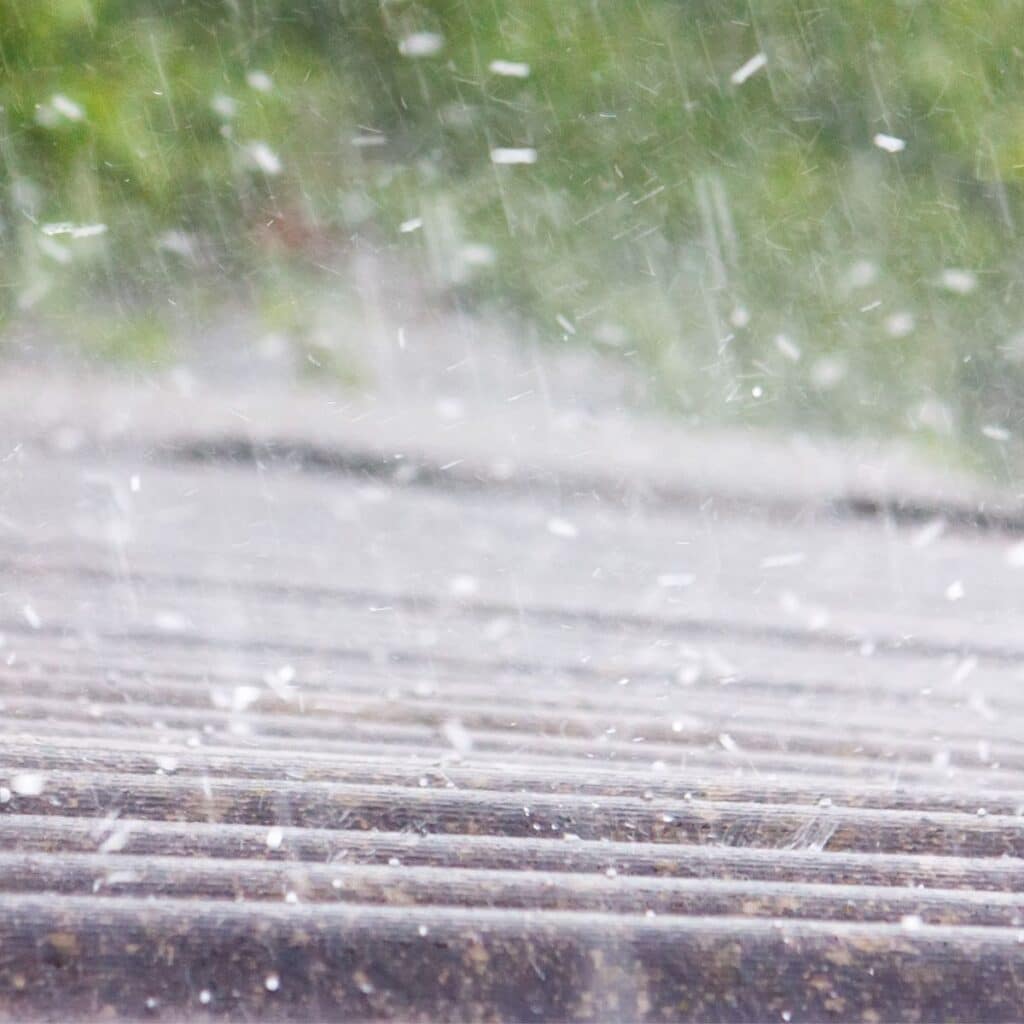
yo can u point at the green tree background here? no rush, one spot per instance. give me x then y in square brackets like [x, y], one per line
[831, 239]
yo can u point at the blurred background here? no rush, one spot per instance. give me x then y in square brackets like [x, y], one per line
[779, 214]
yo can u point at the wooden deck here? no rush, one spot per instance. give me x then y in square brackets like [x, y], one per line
[321, 711]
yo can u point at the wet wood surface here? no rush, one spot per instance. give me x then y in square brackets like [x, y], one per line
[297, 739]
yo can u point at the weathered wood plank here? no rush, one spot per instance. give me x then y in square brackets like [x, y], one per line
[452, 886]
[103, 754]
[807, 863]
[481, 812]
[94, 958]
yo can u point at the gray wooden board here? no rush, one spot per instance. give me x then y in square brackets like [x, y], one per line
[630, 738]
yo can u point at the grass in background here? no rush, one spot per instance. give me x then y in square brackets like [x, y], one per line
[795, 214]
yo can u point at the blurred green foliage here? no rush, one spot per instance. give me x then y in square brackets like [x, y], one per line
[747, 236]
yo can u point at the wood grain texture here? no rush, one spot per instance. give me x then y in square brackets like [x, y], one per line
[289, 745]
